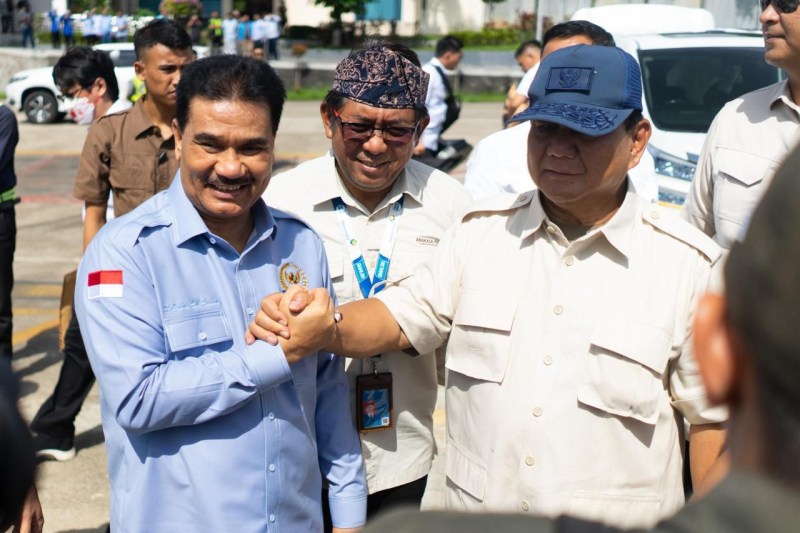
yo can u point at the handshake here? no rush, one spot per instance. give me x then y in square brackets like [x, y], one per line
[301, 320]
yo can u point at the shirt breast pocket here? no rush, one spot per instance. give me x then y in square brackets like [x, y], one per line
[742, 183]
[480, 341]
[625, 372]
[132, 171]
[198, 330]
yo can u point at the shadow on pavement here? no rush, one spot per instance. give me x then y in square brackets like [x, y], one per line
[46, 342]
[89, 438]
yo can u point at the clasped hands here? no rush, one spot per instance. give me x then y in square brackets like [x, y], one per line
[301, 320]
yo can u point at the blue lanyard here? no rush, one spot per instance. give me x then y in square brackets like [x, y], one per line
[377, 283]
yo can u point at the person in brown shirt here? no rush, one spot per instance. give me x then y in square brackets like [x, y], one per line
[132, 154]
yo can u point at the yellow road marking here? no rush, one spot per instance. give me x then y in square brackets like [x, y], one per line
[28, 333]
[53, 290]
[439, 417]
[30, 311]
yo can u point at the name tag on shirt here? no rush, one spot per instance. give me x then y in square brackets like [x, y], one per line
[375, 406]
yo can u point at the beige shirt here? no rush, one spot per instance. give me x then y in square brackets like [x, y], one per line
[569, 366]
[746, 144]
[433, 202]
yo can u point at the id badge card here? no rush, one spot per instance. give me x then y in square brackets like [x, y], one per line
[374, 402]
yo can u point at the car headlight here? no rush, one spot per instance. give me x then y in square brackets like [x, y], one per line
[671, 166]
[15, 79]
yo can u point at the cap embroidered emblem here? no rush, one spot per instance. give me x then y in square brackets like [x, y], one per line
[291, 274]
[570, 79]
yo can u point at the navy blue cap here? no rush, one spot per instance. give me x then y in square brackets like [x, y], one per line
[589, 89]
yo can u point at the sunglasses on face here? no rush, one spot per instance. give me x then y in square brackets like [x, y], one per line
[785, 6]
[391, 135]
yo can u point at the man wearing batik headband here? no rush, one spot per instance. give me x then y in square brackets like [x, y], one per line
[567, 314]
[750, 136]
[380, 215]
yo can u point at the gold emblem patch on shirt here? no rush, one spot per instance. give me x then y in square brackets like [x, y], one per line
[291, 274]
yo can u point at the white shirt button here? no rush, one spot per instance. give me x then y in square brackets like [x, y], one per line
[548, 360]
[202, 336]
[525, 506]
[271, 468]
[655, 215]
[551, 229]
[212, 240]
[537, 411]
[570, 261]
[372, 264]
[249, 310]
[529, 461]
[558, 310]
[272, 518]
[271, 416]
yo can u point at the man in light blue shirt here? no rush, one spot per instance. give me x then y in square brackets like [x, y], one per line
[203, 432]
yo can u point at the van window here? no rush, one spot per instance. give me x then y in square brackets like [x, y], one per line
[686, 88]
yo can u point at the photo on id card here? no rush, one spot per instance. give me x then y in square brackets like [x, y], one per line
[375, 410]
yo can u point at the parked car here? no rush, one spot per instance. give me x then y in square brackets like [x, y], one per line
[34, 92]
[687, 77]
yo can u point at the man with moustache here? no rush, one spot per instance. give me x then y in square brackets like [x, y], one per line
[367, 190]
[567, 313]
[203, 432]
[750, 136]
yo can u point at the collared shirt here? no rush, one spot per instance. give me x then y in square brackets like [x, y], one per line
[433, 201]
[569, 365]
[259, 30]
[103, 24]
[203, 431]
[125, 152]
[435, 102]
[499, 164]
[745, 146]
[273, 26]
[526, 81]
[89, 25]
[230, 29]
[9, 137]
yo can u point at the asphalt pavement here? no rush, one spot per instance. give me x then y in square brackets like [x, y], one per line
[75, 494]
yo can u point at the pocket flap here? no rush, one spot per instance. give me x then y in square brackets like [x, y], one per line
[746, 168]
[335, 263]
[466, 471]
[197, 330]
[646, 344]
[485, 310]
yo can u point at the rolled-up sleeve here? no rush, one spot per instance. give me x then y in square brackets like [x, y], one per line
[424, 303]
[146, 388]
[92, 184]
[688, 394]
[339, 447]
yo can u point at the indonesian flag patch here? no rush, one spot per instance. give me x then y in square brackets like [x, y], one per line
[105, 284]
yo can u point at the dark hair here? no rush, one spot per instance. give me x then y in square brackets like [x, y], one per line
[533, 43]
[335, 100]
[161, 31]
[448, 43]
[575, 28]
[635, 118]
[81, 66]
[229, 77]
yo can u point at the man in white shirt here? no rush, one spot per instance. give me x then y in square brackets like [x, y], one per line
[527, 55]
[750, 137]
[499, 162]
[272, 34]
[258, 31]
[448, 56]
[123, 27]
[104, 26]
[367, 190]
[230, 31]
[89, 27]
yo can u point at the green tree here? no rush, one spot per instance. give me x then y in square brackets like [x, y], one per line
[340, 7]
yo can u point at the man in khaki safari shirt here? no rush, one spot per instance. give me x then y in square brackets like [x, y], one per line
[369, 171]
[567, 314]
[750, 137]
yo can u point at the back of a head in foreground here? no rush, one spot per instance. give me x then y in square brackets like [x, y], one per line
[231, 78]
[762, 288]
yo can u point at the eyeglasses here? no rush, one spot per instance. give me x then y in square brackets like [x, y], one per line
[72, 95]
[786, 6]
[391, 135]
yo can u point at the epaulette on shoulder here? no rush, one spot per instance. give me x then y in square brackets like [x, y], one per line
[681, 230]
[130, 228]
[500, 203]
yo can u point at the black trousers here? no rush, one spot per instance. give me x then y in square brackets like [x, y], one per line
[56, 417]
[55, 38]
[406, 495]
[8, 243]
